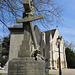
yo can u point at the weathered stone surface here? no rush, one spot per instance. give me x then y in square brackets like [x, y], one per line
[15, 43]
[29, 19]
[26, 66]
[26, 4]
[38, 34]
[25, 47]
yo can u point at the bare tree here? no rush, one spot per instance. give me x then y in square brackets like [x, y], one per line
[70, 45]
[10, 10]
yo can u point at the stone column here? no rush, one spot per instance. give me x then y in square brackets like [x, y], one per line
[50, 55]
[51, 51]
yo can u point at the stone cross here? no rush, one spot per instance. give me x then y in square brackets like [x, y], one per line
[28, 27]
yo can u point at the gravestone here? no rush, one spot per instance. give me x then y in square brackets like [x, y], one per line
[26, 64]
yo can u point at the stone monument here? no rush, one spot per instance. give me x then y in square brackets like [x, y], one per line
[27, 62]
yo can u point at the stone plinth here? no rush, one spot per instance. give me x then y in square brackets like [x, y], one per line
[26, 66]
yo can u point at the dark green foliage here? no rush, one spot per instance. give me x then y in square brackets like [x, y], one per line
[0, 52]
[5, 43]
[5, 46]
[70, 56]
[5, 51]
[4, 60]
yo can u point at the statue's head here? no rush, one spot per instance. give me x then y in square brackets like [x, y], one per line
[27, 4]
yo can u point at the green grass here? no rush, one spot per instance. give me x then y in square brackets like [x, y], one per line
[0, 74]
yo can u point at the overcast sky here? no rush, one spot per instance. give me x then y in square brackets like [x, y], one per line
[67, 27]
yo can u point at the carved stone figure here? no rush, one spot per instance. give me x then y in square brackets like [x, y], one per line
[25, 64]
[28, 17]
[28, 7]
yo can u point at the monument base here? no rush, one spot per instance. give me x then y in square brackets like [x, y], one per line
[26, 66]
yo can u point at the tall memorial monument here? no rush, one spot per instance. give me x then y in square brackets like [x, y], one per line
[27, 62]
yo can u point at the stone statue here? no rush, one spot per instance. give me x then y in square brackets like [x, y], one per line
[28, 17]
[28, 8]
[25, 64]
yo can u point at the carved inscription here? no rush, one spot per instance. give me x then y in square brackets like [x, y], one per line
[26, 68]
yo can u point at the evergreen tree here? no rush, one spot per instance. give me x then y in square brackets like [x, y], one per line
[70, 56]
[5, 50]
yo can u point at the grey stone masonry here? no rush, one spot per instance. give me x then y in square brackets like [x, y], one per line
[25, 47]
[26, 66]
[27, 4]
[29, 19]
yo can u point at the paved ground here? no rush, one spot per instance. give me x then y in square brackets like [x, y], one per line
[56, 72]
[64, 72]
[2, 71]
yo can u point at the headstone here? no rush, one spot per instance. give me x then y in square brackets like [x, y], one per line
[25, 64]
